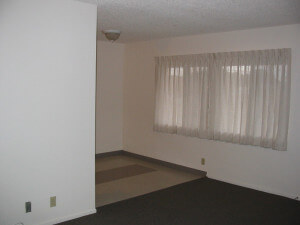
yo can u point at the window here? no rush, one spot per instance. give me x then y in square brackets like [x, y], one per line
[239, 97]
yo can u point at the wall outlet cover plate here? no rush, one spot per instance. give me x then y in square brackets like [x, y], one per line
[27, 207]
[53, 201]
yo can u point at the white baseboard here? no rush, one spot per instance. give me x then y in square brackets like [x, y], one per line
[70, 217]
[255, 187]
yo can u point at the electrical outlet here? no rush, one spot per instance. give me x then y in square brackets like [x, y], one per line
[203, 161]
[53, 201]
[27, 207]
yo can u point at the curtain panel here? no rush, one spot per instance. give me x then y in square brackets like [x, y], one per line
[238, 97]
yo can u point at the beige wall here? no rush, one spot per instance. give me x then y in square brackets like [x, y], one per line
[109, 103]
[256, 167]
[47, 110]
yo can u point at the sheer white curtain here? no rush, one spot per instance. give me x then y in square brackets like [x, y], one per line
[239, 97]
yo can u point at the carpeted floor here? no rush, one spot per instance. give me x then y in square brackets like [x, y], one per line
[121, 172]
[199, 202]
[121, 177]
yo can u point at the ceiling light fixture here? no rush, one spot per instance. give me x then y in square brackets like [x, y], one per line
[112, 35]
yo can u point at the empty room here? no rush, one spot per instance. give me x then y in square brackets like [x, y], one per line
[157, 112]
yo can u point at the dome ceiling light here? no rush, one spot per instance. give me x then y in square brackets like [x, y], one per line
[112, 35]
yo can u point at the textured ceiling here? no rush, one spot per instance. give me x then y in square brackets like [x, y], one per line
[152, 19]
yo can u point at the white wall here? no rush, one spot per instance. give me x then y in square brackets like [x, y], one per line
[260, 168]
[109, 100]
[47, 110]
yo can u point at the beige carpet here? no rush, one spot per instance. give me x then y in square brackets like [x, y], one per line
[139, 177]
[121, 172]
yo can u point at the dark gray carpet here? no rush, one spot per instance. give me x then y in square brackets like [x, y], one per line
[200, 202]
